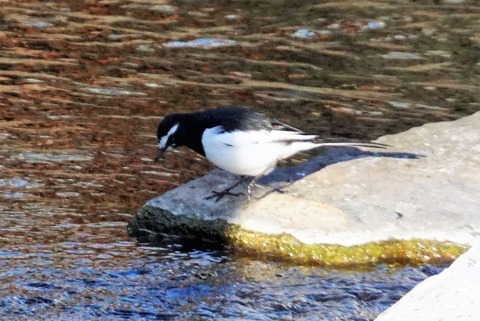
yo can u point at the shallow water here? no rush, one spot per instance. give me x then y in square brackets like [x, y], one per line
[83, 85]
[122, 281]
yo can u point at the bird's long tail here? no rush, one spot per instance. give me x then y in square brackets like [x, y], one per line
[298, 146]
[352, 144]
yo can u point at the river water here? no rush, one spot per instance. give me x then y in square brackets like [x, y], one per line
[83, 85]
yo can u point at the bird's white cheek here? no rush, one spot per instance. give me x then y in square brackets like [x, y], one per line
[163, 142]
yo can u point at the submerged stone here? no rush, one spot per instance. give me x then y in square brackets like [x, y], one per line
[112, 91]
[376, 25]
[396, 55]
[165, 8]
[201, 43]
[16, 195]
[13, 182]
[303, 33]
[37, 23]
[41, 157]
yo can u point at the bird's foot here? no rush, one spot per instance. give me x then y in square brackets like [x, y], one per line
[219, 195]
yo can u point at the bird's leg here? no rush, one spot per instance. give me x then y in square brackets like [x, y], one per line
[254, 182]
[249, 187]
[219, 195]
[226, 191]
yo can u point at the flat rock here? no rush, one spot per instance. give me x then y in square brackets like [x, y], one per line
[450, 295]
[392, 195]
[426, 186]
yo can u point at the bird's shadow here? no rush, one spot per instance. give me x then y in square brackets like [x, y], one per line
[287, 175]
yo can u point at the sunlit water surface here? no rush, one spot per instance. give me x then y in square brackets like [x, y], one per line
[122, 281]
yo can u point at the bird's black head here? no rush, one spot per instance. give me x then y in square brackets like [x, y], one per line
[169, 133]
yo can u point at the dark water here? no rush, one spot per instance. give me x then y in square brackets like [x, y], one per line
[83, 85]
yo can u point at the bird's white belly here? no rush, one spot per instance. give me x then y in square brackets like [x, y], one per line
[251, 160]
[250, 153]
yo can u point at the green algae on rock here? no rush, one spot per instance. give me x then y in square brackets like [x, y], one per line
[151, 223]
[285, 247]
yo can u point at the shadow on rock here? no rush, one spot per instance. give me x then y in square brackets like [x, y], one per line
[329, 157]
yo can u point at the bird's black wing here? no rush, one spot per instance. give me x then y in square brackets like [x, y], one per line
[282, 126]
[234, 118]
[239, 118]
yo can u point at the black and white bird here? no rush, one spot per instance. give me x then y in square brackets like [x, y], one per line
[237, 140]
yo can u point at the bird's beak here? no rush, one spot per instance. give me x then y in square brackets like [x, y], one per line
[159, 155]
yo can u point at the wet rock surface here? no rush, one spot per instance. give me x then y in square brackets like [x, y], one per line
[425, 186]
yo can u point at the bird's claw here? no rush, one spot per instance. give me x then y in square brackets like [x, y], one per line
[220, 195]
